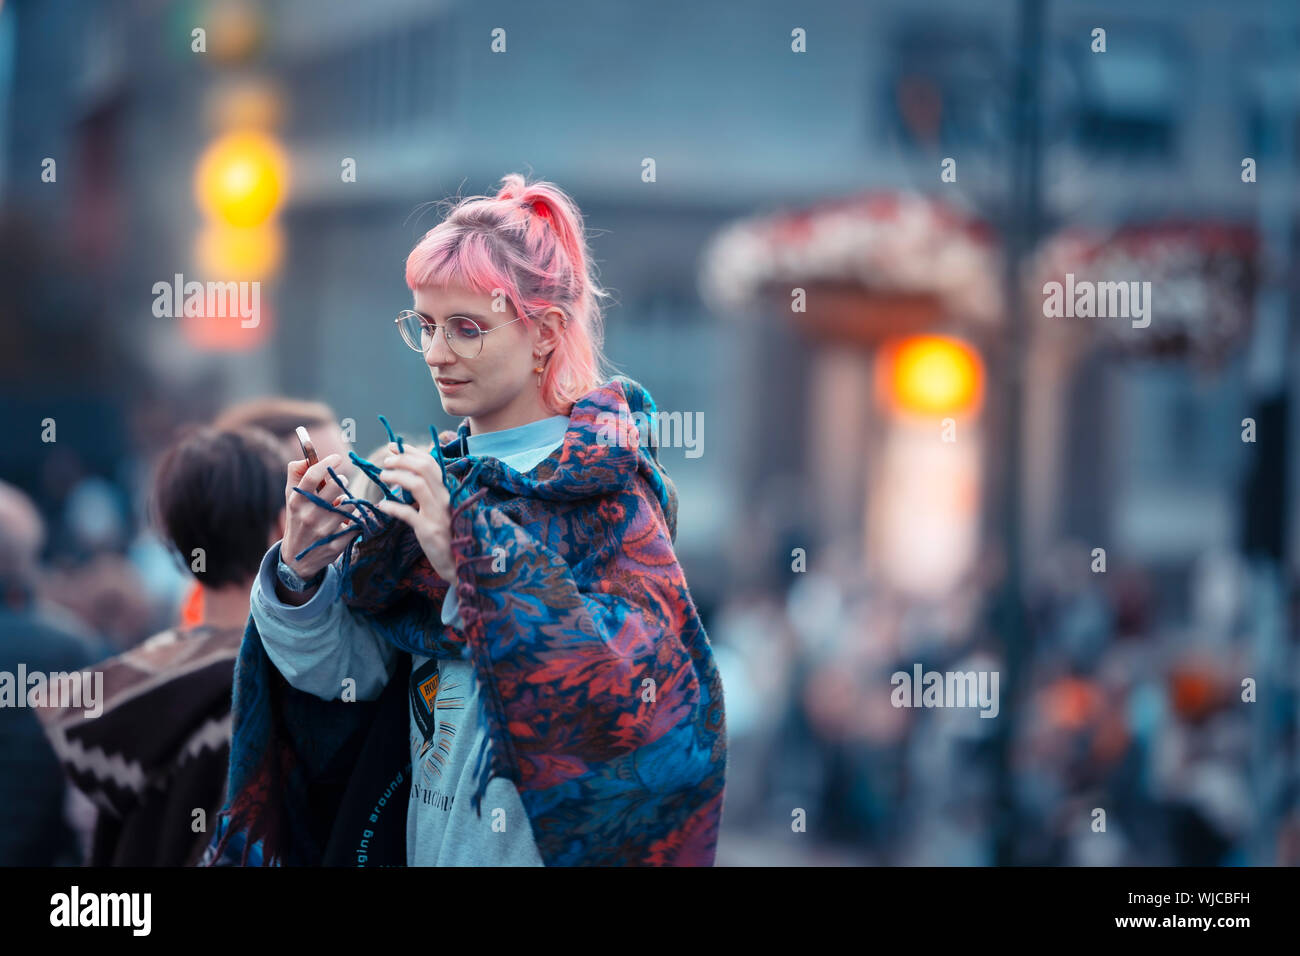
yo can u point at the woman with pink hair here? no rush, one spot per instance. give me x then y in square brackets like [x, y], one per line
[508, 628]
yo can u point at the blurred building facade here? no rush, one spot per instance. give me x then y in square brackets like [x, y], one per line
[1145, 458]
[413, 94]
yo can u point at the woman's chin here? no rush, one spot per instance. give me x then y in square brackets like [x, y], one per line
[455, 405]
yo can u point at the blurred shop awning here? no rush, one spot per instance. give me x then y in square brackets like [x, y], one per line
[1202, 277]
[872, 265]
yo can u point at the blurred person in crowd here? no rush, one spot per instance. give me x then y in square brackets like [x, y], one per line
[280, 416]
[26, 538]
[1288, 840]
[512, 630]
[1203, 772]
[92, 579]
[94, 516]
[160, 409]
[754, 646]
[36, 831]
[165, 714]
[108, 594]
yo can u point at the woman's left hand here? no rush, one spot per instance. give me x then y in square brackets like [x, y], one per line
[430, 515]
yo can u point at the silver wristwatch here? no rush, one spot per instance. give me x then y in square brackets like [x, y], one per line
[291, 580]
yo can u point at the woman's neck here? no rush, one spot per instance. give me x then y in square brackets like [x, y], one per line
[526, 409]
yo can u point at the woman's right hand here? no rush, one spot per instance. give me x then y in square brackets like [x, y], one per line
[306, 522]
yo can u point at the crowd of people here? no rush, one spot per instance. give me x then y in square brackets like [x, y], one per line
[136, 781]
[1118, 711]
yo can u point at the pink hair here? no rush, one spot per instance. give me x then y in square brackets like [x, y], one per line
[529, 242]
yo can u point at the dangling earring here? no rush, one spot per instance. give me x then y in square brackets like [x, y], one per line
[539, 369]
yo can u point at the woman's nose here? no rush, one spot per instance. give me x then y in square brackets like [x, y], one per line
[439, 352]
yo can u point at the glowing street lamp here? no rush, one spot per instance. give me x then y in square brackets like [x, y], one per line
[923, 504]
[241, 178]
[929, 376]
[250, 254]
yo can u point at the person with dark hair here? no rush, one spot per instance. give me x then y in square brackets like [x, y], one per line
[215, 501]
[279, 415]
[154, 760]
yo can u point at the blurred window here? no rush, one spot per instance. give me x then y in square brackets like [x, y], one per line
[1179, 425]
[1178, 457]
[1269, 90]
[1128, 99]
[942, 87]
[380, 84]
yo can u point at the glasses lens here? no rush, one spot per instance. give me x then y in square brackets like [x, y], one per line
[412, 328]
[464, 336]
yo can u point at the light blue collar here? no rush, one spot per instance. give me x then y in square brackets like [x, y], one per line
[545, 432]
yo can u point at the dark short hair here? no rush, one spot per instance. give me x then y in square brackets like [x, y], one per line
[220, 490]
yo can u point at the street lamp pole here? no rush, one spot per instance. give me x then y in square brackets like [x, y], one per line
[1267, 539]
[1021, 232]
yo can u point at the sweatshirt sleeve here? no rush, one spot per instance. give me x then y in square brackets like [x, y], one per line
[450, 606]
[322, 643]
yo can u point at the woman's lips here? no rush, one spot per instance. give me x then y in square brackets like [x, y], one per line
[449, 386]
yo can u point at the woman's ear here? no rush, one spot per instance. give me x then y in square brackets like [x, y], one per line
[549, 329]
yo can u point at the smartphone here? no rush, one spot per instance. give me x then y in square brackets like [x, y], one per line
[308, 451]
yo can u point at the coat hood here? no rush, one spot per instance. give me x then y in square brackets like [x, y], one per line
[604, 448]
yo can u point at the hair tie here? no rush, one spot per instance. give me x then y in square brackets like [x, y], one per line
[540, 211]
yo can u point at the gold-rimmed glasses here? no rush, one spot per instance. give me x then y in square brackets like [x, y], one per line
[464, 336]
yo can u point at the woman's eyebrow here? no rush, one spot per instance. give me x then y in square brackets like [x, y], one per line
[468, 315]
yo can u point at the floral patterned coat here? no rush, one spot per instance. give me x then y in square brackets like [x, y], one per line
[598, 685]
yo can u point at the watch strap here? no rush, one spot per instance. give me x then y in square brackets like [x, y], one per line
[291, 579]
